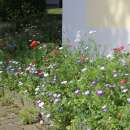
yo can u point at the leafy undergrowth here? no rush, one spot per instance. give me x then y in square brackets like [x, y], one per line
[72, 90]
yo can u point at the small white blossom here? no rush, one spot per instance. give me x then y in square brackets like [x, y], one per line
[46, 74]
[20, 83]
[48, 115]
[64, 82]
[61, 48]
[1, 62]
[92, 31]
[78, 37]
[110, 56]
[84, 69]
[102, 68]
[115, 75]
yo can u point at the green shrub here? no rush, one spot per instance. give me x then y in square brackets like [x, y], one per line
[28, 115]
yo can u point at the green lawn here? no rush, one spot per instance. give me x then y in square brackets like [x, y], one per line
[54, 11]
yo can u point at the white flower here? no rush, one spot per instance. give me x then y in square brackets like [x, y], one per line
[56, 100]
[84, 69]
[37, 88]
[102, 68]
[48, 115]
[64, 82]
[110, 56]
[1, 62]
[58, 95]
[115, 75]
[126, 74]
[92, 31]
[41, 122]
[78, 37]
[20, 83]
[1, 72]
[86, 48]
[87, 92]
[54, 95]
[46, 74]
[41, 104]
[61, 48]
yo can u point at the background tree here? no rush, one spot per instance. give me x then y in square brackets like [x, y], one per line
[21, 10]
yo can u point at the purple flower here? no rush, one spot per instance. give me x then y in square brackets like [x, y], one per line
[94, 83]
[77, 91]
[39, 104]
[128, 100]
[49, 94]
[99, 93]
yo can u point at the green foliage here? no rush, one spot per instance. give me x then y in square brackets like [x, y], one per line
[28, 115]
[80, 90]
[20, 10]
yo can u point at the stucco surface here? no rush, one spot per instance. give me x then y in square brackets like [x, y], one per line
[109, 18]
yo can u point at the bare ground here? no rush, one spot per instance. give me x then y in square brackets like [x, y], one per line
[9, 120]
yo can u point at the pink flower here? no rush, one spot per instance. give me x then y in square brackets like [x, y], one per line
[123, 81]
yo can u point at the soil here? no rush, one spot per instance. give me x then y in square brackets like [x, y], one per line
[9, 120]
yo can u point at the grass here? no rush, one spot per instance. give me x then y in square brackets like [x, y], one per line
[54, 11]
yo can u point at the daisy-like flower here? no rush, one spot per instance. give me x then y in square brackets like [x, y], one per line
[110, 56]
[61, 48]
[102, 68]
[64, 82]
[78, 37]
[57, 100]
[115, 75]
[92, 32]
[40, 104]
[46, 74]
[125, 90]
[87, 92]
[20, 83]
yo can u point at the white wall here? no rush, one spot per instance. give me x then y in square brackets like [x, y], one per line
[112, 28]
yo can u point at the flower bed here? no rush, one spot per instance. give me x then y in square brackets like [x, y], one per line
[73, 90]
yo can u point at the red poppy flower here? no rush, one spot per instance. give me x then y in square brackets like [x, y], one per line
[123, 81]
[119, 49]
[33, 44]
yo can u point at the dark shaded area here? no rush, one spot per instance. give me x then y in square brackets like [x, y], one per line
[16, 14]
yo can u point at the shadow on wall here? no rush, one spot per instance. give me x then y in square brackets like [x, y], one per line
[113, 16]
[110, 19]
